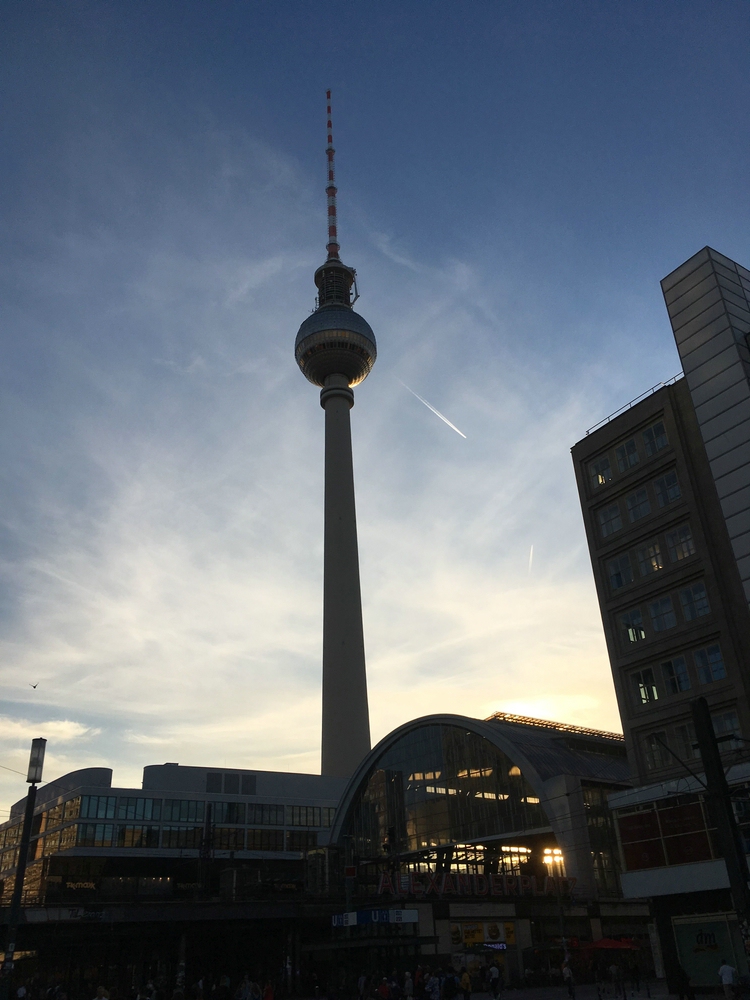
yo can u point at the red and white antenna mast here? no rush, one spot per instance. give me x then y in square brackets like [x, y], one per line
[332, 246]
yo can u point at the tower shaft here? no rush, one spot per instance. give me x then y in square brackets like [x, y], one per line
[346, 719]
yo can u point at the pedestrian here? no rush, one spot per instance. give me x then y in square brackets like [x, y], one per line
[727, 976]
[494, 978]
[384, 991]
[465, 983]
[567, 974]
[408, 986]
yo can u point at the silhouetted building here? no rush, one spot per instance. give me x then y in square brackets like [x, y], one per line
[665, 493]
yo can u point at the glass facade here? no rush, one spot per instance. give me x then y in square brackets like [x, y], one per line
[439, 785]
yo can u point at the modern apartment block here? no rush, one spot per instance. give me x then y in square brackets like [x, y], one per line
[665, 493]
[673, 607]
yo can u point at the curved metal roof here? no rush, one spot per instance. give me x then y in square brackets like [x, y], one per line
[540, 751]
[335, 318]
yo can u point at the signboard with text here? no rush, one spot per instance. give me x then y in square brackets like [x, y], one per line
[361, 917]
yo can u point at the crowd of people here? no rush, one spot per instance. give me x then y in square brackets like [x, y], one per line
[428, 983]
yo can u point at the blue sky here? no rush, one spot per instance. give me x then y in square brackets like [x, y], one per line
[515, 179]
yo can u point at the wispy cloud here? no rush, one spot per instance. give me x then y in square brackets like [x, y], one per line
[162, 535]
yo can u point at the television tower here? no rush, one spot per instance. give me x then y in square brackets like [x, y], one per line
[335, 349]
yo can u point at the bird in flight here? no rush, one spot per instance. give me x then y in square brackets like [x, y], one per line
[35, 686]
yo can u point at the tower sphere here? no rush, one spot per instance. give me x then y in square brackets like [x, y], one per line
[335, 340]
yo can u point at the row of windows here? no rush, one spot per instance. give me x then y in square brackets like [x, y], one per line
[649, 557]
[674, 676]
[628, 455]
[224, 838]
[665, 747]
[693, 602]
[638, 504]
[230, 783]
[194, 811]
[136, 807]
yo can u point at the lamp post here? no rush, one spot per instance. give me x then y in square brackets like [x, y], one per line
[34, 775]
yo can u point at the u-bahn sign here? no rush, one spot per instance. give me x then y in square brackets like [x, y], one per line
[447, 884]
[375, 917]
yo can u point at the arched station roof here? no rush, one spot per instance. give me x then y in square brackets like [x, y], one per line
[542, 751]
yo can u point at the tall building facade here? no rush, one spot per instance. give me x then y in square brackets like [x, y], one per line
[665, 493]
[673, 606]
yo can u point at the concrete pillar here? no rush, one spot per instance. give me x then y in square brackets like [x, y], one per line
[346, 719]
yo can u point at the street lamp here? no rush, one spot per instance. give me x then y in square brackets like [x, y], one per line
[34, 775]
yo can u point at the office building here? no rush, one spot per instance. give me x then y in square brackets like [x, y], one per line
[665, 493]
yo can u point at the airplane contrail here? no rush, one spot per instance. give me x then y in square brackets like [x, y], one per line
[431, 407]
[531, 557]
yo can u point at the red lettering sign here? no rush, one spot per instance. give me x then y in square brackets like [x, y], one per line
[481, 886]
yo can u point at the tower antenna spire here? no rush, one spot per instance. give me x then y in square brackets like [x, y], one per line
[332, 246]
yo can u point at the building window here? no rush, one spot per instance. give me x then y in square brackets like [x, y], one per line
[138, 836]
[667, 489]
[302, 816]
[676, 676]
[268, 815]
[265, 840]
[95, 834]
[98, 806]
[68, 837]
[686, 742]
[710, 664]
[301, 840]
[619, 572]
[632, 626]
[610, 520]
[638, 505]
[248, 784]
[72, 809]
[649, 558]
[138, 808]
[655, 438]
[645, 686]
[213, 782]
[183, 811]
[231, 784]
[694, 602]
[600, 472]
[228, 838]
[229, 812]
[328, 812]
[181, 836]
[657, 755]
[727, 724]
[662, 614]
[680, 543]
[627, 455]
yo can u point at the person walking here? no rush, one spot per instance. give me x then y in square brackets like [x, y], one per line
[567, 975]
[465, 983]
[728, 977]
[494, 978]
[408, 986]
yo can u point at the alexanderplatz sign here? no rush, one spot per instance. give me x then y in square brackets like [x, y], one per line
[449, 884]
